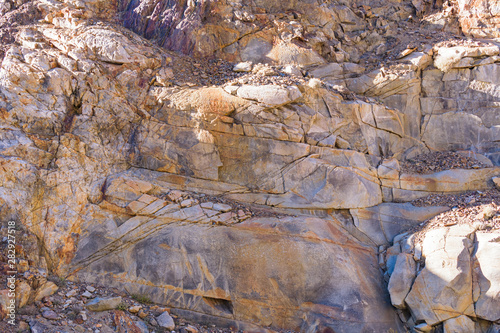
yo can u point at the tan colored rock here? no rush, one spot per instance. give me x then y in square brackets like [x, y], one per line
[134, 309]
[388, 172]
[461, 324]
[47, 289]
[290, 53]
[420, 60]
[23, 294]
[328, 72]
[471, 14]
[441, 290]
[6, 305]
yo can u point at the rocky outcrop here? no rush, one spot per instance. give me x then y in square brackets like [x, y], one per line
[456, 287]
[249, 272]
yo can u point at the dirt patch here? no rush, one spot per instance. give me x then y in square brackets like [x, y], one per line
[440, 161]
[480, 209]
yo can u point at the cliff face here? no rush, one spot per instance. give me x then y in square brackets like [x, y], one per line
[250, 198]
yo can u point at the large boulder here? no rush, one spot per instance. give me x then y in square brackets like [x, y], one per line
[439, 294]
[259, 271]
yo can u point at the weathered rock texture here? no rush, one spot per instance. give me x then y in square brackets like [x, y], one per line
[457, 283]
[132, 175]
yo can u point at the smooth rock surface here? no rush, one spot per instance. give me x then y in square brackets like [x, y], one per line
[103, 304]
[268, 272]
[438, 295]
[488, 274]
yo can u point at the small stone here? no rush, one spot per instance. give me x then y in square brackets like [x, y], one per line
[141, 326]
[23, 326]
[82, 317]
[79, 328]
[191, 329]
[103, 304]
[90, 289]
[87, 294]
[187, 203]
[243, 67]
[135, 309]
[488, 213]
[222, 207]
[207, 205]
[142, 314]
[165, 320]
[49, 314]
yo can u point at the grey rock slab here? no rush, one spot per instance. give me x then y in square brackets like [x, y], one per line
[103, 304]
[166, 321]
[142, 326]
[402, 279]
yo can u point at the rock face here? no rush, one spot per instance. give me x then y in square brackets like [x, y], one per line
[456, 285]
[437, 294]
[257, 199]
[103, 304]
[257, 271]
